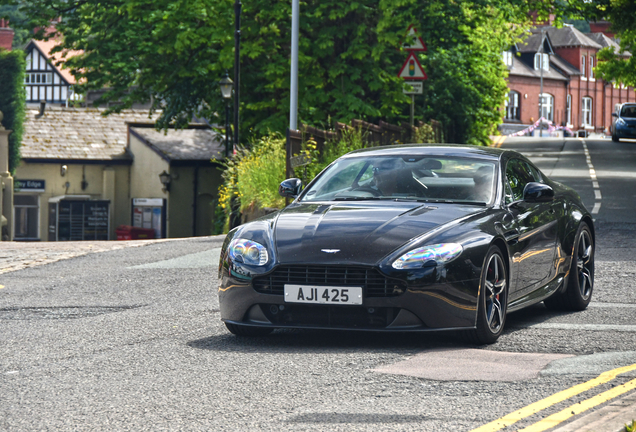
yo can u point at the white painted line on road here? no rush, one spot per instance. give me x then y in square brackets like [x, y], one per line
[597, 189]
[586, 327]
[612, 305]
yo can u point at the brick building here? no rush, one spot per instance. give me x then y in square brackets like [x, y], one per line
[564, 59]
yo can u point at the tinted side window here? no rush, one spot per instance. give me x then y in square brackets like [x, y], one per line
[518, 175]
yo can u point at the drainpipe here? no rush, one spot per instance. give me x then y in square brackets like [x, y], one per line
[42, 109]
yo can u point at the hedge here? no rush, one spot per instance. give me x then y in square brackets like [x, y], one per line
[13, 101]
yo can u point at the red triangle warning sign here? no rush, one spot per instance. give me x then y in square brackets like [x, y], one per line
[416, 42]
[412, 69]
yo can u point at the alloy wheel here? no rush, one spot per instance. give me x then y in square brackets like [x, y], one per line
[584, 264]
[495, 284]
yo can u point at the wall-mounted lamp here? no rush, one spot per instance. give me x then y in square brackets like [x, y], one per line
[165, 179]
[63, 170]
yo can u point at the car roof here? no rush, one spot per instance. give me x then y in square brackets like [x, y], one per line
[471, 151]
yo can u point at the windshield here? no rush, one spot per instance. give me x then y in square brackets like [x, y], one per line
[628, 111]
[428, 178]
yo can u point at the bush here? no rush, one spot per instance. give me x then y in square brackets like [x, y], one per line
[253, 175]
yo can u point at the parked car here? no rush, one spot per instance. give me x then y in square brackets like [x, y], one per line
[410, 238]
[624, 121]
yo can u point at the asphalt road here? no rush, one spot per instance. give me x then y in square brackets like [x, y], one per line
[131, 340]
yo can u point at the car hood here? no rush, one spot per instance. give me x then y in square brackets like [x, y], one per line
[356, 233]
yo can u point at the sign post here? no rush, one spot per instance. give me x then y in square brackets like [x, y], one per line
[412, 70]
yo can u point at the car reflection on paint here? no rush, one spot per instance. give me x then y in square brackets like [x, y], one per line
[410, 238]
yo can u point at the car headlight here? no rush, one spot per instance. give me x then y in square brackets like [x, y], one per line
[248, 252]
[440, 253]
[620, 121]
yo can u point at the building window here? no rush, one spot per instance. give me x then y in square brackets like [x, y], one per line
[583, 71]
[26, 210]
[38, 78]
[547, 106]
[512, 106]
[545, 63]
[592, 68]
[568, 109]
[507, 58]
[586, 103]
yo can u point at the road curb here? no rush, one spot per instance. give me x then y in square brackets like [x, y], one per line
[21, 255]
[610, 418]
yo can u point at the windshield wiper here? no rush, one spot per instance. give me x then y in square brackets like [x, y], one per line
[358, 198]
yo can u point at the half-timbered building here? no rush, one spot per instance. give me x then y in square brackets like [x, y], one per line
[44, 80]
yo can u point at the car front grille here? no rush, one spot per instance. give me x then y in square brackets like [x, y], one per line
[373, 283]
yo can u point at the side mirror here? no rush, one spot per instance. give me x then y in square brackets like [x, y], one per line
[614, 114]
[535, 192]
[290, 188]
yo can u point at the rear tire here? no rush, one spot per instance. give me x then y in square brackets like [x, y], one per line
[241, 330]
[580, 281]
[493, 300]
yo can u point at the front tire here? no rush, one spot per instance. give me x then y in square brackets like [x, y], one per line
[241, 330]
[614, 138]
[493, 299]
[580, 283]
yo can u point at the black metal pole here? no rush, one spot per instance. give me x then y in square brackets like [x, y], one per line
[227, 129]
[237, 68]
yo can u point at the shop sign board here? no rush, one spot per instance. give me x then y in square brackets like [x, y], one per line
[29, 185]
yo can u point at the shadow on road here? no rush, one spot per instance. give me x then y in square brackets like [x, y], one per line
[303, 341]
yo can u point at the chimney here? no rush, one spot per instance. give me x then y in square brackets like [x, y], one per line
[6, 35]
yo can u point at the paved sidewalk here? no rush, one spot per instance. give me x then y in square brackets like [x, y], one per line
[20, 255]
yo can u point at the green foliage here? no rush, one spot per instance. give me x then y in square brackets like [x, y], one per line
[253, 176]
[17, 20]
[12, 100]
[631, 427]
[466, 85]
[173, 52]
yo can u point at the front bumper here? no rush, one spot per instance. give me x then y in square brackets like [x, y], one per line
[626, 130]
[442, 305]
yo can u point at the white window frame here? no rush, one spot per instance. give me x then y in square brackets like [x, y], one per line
[592, 78]
[546, 61]
[27, 206]
[547, 106]
[507, 58]
[31, 78]
[568, 110]
[512, 111]
[586, 111]
[583, 70]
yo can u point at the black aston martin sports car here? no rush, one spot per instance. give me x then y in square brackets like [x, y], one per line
[411, 238]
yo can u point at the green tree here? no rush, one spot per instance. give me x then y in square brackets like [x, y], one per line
[622, 14]
[17, 19]
[12, 100]
[173, 52]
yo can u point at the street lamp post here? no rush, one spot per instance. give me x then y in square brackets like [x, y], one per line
[541, 52]
[237, 67]
[226, 85]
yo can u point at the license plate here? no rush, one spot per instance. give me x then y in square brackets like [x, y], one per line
[323, 294]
